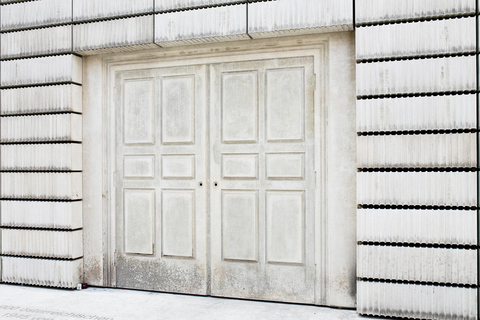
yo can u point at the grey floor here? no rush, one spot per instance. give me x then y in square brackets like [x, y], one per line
[19, 302]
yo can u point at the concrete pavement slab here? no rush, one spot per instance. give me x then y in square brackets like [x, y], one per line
[30, 303]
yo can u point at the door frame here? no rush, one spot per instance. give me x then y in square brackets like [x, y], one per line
[312, 46]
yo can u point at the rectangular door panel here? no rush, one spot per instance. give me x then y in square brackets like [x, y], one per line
[139, 211]
[263, 180]
[139, 167]
[178, 110]
[138, 108]
[240, 225]
[285, 104]
[178, 215]
[239, 107]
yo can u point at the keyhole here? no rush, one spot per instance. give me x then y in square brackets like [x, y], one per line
[200, 183]
[215, 184]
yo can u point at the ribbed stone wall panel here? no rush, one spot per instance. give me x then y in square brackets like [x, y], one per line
[416, 39]
[35, 13]
[114, 33]
[417, 188]
[59, 98]
[417, 113]
[434, 265]
[41, 128]
[95, 9]
[11, 1]
[277, 18]
[417, 76]
[41, 185]
[371, 11]
[65, 68]
[41, 214]
[200, 26]
[457, 227]
[409, 151]
[166, 5]
[42, 243]
[416, 222]
[36, 42]
[42, 272]
[416, 301]
[58, 156]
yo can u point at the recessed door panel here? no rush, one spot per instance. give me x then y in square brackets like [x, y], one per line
[239, 107]
[139, 211]
[262, 190]
[285, 104]
[178, 215]
[178, 110]
[240, 225]
[138, 108]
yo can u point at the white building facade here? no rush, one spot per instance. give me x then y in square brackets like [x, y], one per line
[319, 152]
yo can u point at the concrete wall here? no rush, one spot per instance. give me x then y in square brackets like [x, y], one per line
[416, 121]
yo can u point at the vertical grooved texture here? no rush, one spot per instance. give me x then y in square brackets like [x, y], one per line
[41, 214]
[417, 188]
[58, 156]
[114, 33]
[417, 76]
[203, 25]
[35, 13]
[41, 185]
[414, 37]
[41, 70]
[418, 264]
[416, 301]
[165, 5]
[420, 151]
[370, 11]
[60, 98]
[36, 42]
[286, 15]
[41, 272]
[418, 113]
[443, 227]
[41, 243]
[95, 9]
[41, 128]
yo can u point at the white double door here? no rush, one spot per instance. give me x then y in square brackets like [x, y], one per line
[215, 180]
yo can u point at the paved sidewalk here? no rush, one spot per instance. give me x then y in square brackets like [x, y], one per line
[29, 303]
